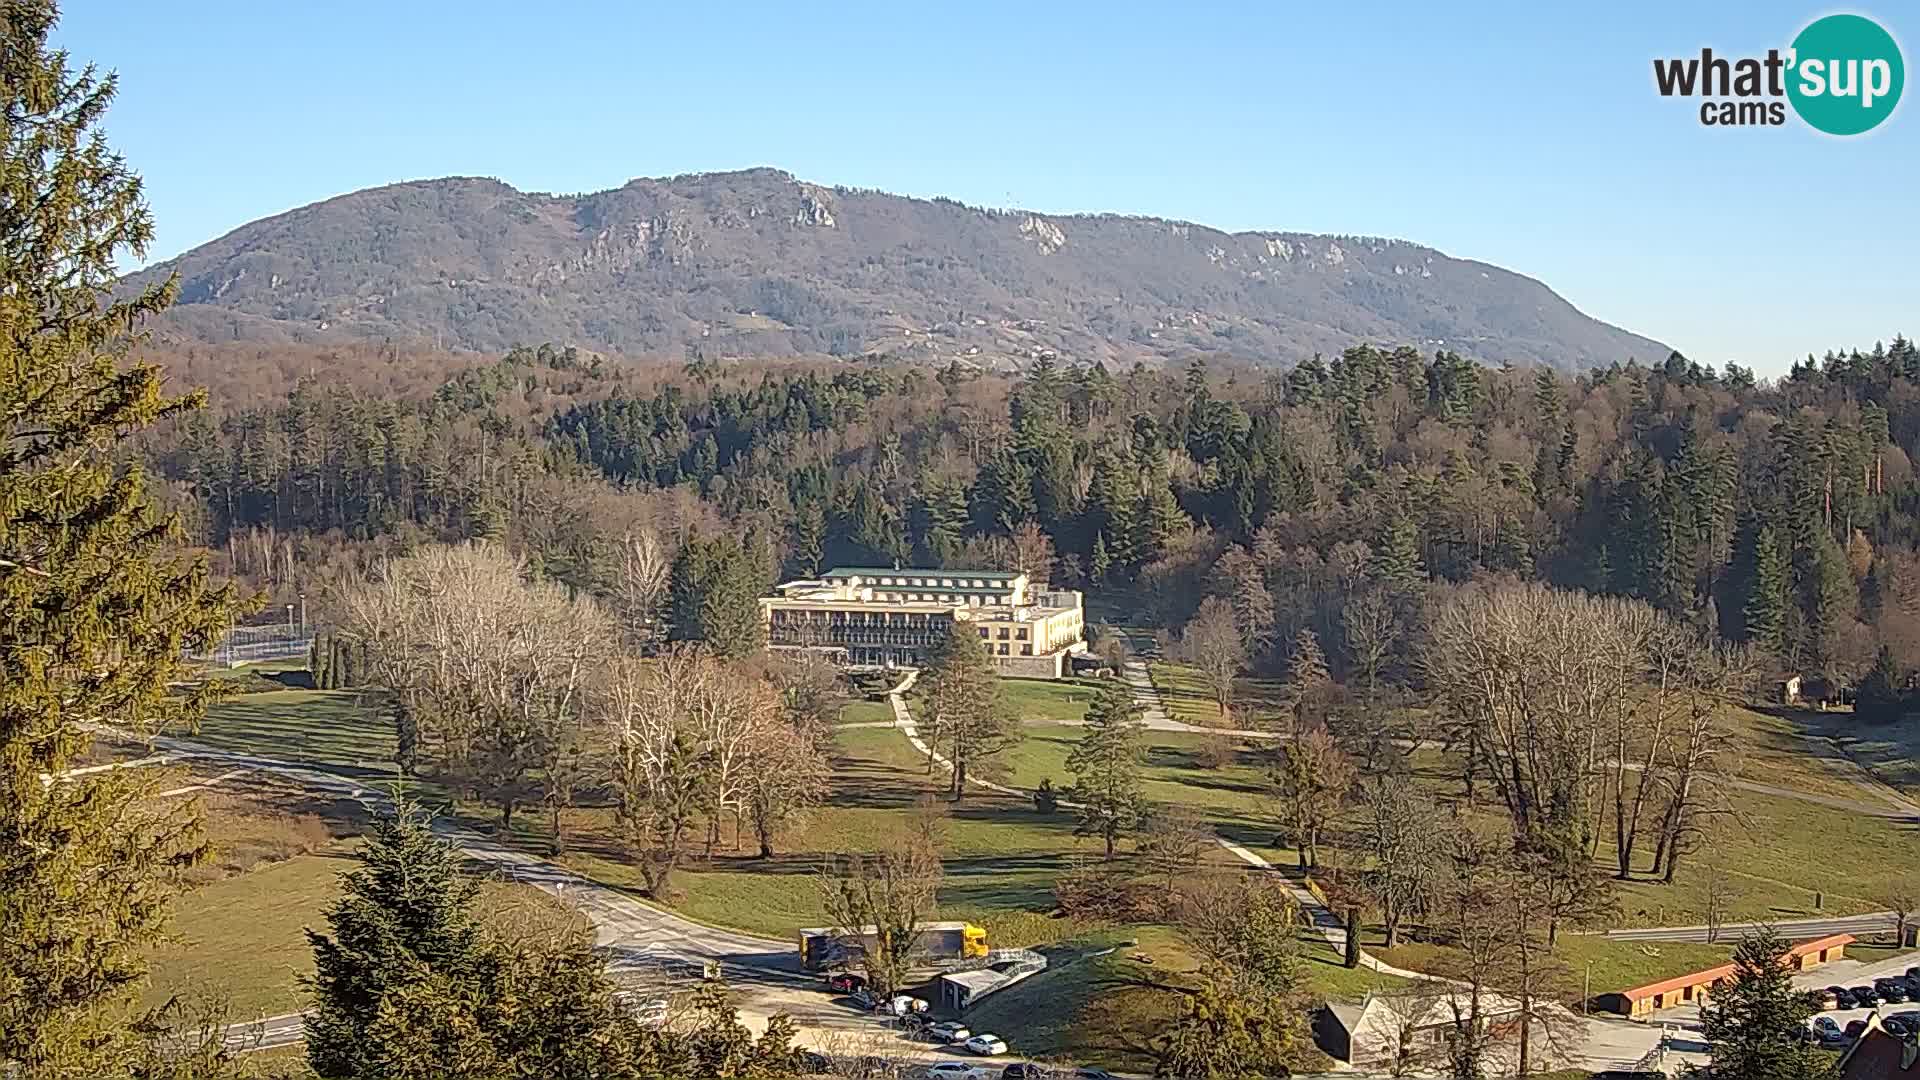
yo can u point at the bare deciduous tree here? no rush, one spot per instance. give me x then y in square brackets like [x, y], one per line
[1372, 623]
[492, 664]
[1312, 780]
[640, 587]
[1211, 643]
[884, 899]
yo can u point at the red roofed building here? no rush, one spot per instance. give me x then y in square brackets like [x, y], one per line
[1642, 1001]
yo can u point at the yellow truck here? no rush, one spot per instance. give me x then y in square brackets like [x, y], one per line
[827, 949]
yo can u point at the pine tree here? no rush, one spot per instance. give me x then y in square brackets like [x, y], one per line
[1880, 698]
[95, 609]
[1756, 1023]
[1106, 767]
[406, 736]
[1765, 609]
[405, 915]
[1102, 564]
[964, 712]
[1396, 559]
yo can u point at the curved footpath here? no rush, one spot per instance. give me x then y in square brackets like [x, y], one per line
[1601, 1044]
[639, 937]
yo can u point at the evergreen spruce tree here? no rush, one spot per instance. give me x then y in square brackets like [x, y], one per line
[1765, 609]
[1881, 698]
[403, 918]
[1756, 1023]
[1102, 564]
[96, 612]
[1396, 559]
[1106, 767]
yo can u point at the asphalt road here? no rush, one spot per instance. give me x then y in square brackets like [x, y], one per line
[1877, 922]
[645, 943]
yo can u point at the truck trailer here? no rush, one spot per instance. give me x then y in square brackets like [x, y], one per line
[827, 949]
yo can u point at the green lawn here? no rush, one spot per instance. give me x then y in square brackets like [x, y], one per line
[1001, 856]
[241, 937]
[334, 729]
[1048, 701]
[1615, 965]
[1188, 699]
[866, 712]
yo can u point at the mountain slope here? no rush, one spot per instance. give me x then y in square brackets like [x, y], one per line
[756, 262]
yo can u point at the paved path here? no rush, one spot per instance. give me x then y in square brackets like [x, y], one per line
[1875, 922]
[638, 937]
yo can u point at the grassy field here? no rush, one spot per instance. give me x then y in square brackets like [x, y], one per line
[866, 712]
[241, 937]
[1187, 698]
[1614, 965]
[335, 729]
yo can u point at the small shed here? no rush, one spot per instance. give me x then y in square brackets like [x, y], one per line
[962, 988]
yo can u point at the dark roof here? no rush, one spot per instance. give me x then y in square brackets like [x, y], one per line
[1880, 1055]
[917, 571]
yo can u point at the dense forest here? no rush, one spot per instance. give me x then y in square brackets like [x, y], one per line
[1777, 512]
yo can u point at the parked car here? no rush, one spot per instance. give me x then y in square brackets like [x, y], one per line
[1092, 1074]
[1833, 1037]
[846, 982]
[1026, 1070]
[1865, 997]
[955, 1070]
[1827, 999]
[947, 1032]
[1855, 1029]
[815, 1063]
[1843, 997]
[986, 1045]
[1892, 991]
[1825, 1023]
[1905, 1025]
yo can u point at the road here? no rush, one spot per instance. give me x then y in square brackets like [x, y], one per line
[1797, 929]
[644, 942]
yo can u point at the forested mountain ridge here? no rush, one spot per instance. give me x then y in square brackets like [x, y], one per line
[757, 263]
[1779, 513]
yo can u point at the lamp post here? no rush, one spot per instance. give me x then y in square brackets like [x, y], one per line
[303, 614]
[289, 623]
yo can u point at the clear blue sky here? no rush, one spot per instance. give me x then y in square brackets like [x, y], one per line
[1522, 134]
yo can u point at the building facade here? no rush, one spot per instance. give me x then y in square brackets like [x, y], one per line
[878, 618]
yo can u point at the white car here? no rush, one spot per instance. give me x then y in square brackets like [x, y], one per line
[955, 1070]
[984, 1043]
[947, 1032]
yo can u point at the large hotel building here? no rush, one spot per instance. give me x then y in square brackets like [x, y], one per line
[892, 618]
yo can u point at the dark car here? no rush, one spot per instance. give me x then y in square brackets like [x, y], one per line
[1092, 1074]
[1843, 997]
[1892, 991]
[1903, 1025]
[1865, 997]
[815, 1063]
[844, 982]
[1026, 1070]
[1855, 1029]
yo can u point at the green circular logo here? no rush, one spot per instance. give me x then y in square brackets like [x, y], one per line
[1846, 74]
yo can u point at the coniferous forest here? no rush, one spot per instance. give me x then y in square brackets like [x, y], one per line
[1780, 512]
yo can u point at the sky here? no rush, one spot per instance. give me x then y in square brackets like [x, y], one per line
[1526, 135]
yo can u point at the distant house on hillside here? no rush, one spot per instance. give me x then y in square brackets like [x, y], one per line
[1788, 692]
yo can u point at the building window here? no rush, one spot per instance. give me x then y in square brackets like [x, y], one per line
[1003, 649]
[1003, 633]
[1026, 650]
[978, 584]
[983, 633]
[1022, 635]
